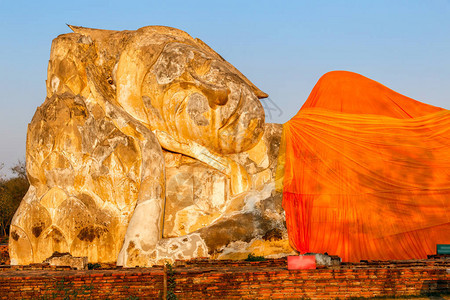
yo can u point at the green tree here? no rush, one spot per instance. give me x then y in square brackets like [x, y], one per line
[12, 190]
[1, 175]
[20, 169]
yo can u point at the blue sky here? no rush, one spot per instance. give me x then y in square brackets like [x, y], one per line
[283, 47]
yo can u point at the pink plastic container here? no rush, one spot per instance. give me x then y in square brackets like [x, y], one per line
[301, 262]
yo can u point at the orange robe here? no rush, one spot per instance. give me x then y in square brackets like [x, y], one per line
[366, 172]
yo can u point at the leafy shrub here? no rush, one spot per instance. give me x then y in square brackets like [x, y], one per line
[252, 257]
[94, 266]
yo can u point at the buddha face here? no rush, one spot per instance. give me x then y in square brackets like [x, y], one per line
[191, 94]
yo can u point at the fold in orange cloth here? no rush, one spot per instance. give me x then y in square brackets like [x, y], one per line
[365, 172]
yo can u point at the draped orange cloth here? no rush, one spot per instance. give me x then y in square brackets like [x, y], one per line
[365, 172]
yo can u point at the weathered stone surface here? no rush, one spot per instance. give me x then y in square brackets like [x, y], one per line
[326, 260]
[65, 259]
[149, 147]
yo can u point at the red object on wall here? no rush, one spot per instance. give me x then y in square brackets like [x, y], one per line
[303, 262]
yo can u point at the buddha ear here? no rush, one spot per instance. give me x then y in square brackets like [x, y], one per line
[134, 62]
[98, 71]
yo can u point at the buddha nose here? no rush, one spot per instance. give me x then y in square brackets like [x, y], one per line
[216, 95]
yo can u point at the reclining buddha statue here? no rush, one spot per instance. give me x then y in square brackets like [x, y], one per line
[151, 147]
[365, 172]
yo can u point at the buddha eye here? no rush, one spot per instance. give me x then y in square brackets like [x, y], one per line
[110, 80]
[202, 65]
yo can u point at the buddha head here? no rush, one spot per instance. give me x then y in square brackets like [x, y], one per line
[177, 84]
[167, 80]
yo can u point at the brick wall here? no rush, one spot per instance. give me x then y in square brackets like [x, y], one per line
[204, 279]
[4, 255]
